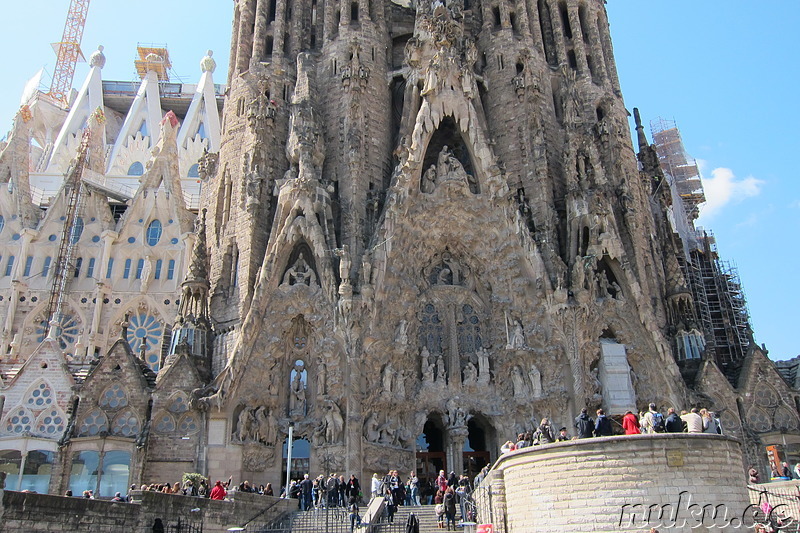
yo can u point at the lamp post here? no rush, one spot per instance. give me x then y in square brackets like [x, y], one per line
[289, 457]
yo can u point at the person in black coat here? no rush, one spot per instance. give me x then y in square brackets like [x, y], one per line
[412, 524]
[585, 425]
[673, 423]
[602, 428]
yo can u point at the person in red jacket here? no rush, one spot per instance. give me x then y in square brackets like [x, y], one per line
[218, 492]
[630, 423]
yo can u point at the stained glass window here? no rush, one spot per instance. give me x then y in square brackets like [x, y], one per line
[19, 421]
[66, 331]
[188, 424]
[126, 424]
[51, 423]
[178, 404]
[431, 329]
[40, 397]
[154, 232]
[165, 423]
[469, 330]
[114, 397]
[145, 328]
[94, 423]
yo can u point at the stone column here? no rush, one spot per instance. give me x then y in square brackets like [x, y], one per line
[100, 291]
[245, 44]
[578, 44]
[279, 29]
[260, 34]
[455, 449]
[16, 288]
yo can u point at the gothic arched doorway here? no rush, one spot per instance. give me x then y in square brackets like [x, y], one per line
[431, 456]
[476, 453]
[301, 454]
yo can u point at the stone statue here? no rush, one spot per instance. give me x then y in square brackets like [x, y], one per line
[429, 180]
[334, 423]
[299, 273]
[147, 273]
[371, 428]
[366, 269]
[470, 374]
[483, 366]
[321, 378]
[441, 373]
[387, 377]
[400, 385]
[518, 382]
[297, 398]
[267, 425]
[428, 366]
[345, 263]
[536, 381]
[516, 336]
[245, 424]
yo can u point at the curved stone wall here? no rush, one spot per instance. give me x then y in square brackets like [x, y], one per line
[672, 482]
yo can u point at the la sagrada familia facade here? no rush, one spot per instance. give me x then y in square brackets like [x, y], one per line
[421, 228]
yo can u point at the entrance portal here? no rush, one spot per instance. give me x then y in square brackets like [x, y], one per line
[431, 457]
[476, 453]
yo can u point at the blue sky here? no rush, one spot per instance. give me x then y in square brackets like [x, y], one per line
[726, 71]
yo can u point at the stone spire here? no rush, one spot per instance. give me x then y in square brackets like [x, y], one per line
[15, 168]
[191, 333]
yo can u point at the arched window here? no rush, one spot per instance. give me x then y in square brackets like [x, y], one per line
[10, 265]
[78, 265]
[114, 397]
[159, 264]
[40, 397]
[77, 230]
[139, 268]
[179, 404]
[126, 424]
[127, 272]
[94, 423]
[165, 423]
[46, 267]
[18, 422]
[28, 265]
[431, 330]
[154, 232]
[194, 171]
[90, 268]
[2, 223]
[110, 267]
[51, 423]
[171, 269]
[136, 169]
[188, 424]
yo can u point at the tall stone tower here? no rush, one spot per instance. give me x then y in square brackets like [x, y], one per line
[428, 229]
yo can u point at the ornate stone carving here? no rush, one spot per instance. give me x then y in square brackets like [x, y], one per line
[257, 458]
[300, 273]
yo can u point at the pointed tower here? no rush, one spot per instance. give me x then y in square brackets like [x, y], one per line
[192, 328]
[15, 173]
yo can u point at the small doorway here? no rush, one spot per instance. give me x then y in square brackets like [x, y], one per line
[301, 453]
[476, 453]
[431, 457]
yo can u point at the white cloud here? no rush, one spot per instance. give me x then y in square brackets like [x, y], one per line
[723, 188]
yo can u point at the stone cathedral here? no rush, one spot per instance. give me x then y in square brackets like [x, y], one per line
[423, 229]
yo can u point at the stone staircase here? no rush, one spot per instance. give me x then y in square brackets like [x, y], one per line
[338, 521]
[426, 514]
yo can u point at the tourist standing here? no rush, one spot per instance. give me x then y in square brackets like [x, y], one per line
[584, 424]
[602, 427]
[218, 492]
[630, 423]
[693, 421]
[673, 423]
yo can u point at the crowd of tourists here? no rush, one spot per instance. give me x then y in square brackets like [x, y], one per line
[652, 421]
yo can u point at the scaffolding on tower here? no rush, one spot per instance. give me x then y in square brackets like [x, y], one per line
[68, 51]
[73, 189]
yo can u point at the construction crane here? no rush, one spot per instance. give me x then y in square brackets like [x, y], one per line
[68, 51]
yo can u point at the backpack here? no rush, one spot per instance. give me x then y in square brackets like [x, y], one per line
[658, 423]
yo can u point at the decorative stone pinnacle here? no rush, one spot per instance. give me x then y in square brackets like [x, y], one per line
[97, 59]
[207, 64]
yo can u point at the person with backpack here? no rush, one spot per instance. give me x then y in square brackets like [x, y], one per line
[653, 421]
[584, 424]
[355, 519]
[602, 427]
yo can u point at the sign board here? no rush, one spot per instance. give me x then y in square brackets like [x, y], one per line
[485, 528]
